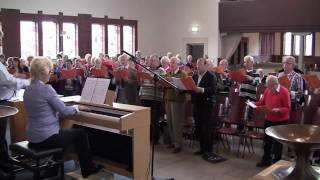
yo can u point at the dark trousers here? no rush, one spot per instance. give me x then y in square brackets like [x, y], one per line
[76, 137]
[155, 117]
[204, 126]
[271, 146]
[4, 155]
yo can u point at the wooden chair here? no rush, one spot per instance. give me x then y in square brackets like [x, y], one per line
[254, 130]
[228, 125]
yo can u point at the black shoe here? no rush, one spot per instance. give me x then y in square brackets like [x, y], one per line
[96, 168]
[198, 153]
[176, 150]
[263, 163]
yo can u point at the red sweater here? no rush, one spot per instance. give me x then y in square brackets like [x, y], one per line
[279, 100]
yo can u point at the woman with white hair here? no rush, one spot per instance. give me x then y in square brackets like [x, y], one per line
[43, 129]
[276, 98]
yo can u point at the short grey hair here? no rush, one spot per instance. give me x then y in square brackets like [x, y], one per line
[271, 79]
[164, 59]
[248, 58]
[176, 59]
[39, 65]
[290, 59]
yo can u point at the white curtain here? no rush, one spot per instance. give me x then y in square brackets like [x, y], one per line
[229, 44]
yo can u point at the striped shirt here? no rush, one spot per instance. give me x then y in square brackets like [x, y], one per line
[248, 89]
[147, 87]
[296, 84]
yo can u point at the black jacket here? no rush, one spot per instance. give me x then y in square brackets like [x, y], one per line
[209, 83]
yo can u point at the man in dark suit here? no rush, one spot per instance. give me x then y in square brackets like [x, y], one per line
[203, 99]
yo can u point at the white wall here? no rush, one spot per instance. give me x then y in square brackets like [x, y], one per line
[162, 24]
[253, 47]
[178, 18]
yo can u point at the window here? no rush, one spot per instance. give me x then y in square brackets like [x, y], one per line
[113, 40]
[287, 43]
[128, 39]
[292, 44]
[28, 39]
[296, 40]
[308, 44]
[70, 42]
[98, 39]
[50, 39]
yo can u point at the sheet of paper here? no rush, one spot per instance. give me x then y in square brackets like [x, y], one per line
[100, 91]
[88, 89]
[251, 104]
[178, 83]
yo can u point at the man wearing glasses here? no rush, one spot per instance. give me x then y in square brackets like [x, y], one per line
[296, 80]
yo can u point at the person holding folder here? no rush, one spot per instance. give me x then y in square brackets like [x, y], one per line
[296, 81]
[203, 99]
[175, 105]
[276, 98]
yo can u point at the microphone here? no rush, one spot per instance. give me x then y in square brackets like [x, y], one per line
[125, 52]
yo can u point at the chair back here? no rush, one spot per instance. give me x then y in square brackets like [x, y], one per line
[316, 117]
[237, 111]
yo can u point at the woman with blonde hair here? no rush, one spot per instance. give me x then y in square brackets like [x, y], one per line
[43, 108]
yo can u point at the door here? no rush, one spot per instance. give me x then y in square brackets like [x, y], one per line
[196, 50]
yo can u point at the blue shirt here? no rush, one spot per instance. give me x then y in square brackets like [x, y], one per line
[43, 108]
[8, 83]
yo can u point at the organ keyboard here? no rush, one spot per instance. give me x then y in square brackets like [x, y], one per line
[119, 130]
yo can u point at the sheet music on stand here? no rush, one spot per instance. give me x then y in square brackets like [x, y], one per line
[95, 90]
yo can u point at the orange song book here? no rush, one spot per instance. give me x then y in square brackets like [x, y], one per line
[312, 81]
[121, 74]
[98, 72]
[144, 75]
[80, 72]
[218, 69]
[186, 83]
[264, 109]
[53, 77]
[238, 75]
[68, 74]
[284, 81]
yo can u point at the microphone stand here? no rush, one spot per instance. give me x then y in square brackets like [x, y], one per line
[156, 78]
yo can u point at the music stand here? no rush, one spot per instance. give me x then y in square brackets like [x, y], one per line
[156, 78]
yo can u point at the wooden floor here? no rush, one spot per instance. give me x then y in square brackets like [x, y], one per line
[186, 166]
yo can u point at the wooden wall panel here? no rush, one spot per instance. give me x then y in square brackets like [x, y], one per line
[269, 16]
[84, 34]
[10, 19]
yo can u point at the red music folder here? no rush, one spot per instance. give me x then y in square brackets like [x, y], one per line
[98, 72]
[264, 109]
[53, 77]
[68, 74]
[218, 69]
[238, 75]
[121, 74]
[143, 76]
[186, 83]
[312, 81]
[284, 81]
